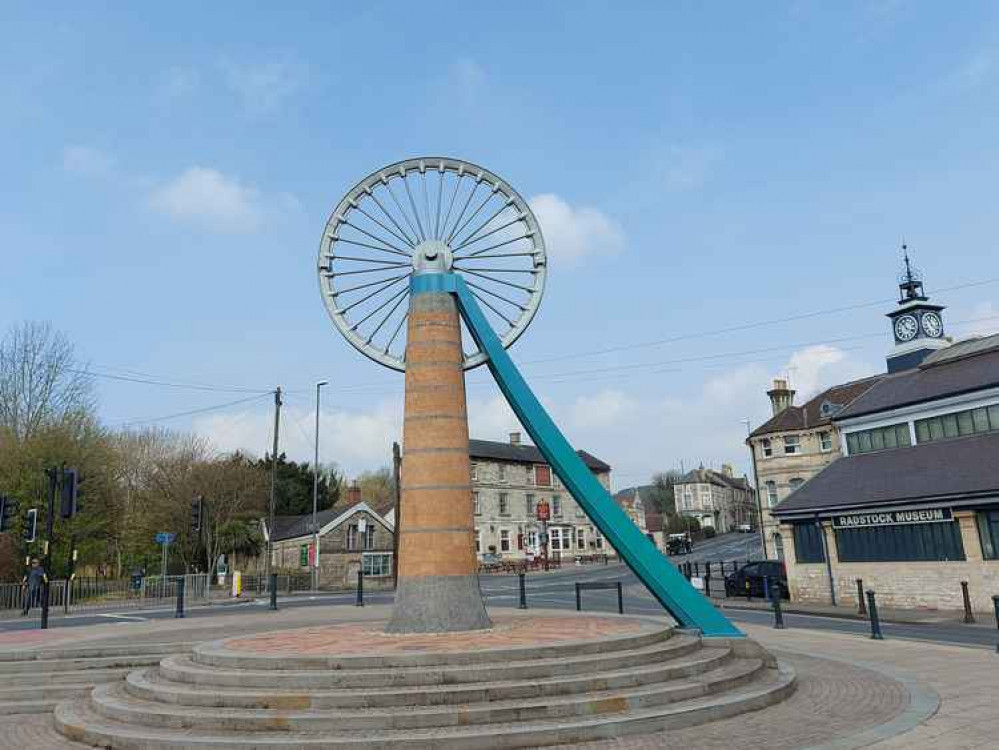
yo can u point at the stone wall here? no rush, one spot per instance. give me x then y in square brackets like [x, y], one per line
[925, 585]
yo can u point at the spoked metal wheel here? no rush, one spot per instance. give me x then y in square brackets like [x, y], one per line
[422, 215]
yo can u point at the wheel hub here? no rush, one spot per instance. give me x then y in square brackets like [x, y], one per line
[432, 256]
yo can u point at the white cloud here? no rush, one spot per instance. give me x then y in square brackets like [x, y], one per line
[607, 408]
[572, 234]
[86, 161]
[263, 87]
[208, 198]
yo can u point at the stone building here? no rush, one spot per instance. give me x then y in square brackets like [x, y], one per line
[794, 445]
[717, 499]
[353, 536]
[634, 505]
[912, 507]
[508, 480]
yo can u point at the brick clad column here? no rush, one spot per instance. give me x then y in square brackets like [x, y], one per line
[438, 588]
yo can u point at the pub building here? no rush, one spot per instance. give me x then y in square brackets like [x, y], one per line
[912, 507]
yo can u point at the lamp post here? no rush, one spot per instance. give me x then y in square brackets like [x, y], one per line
[756, 480]
[315, 496]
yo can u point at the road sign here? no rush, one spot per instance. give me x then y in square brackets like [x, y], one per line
[165, 537]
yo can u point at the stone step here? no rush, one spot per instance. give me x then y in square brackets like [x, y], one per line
[36, 666]
[78, 721]
[8, 708]
[53, 692]
[86, 652]
[218, 654]
[182, 669]
[76, 676]
[115, 703]
[150, 685]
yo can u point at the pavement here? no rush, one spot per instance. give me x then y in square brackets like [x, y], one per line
[853, 691]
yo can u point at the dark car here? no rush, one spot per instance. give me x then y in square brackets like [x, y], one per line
[748, 580]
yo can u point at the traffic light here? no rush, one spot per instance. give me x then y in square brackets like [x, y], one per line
[8, 508]
[31, 525]
[197, 514]
[68, 506]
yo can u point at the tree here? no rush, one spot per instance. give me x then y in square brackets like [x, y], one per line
[236, 492]
[378, 488]
[294, 486]
[661, 490]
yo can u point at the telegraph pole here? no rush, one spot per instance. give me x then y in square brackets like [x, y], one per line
[271, 578]
[315, 497]
[396, 473]
[756, 480]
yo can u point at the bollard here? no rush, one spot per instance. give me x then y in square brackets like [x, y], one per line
[606, 559]
[620, 600]
[995, 605]
[862, 608]
[778, 613]
[766, 588]
[697, 569]
[749, 591]
[45, 604]
[968, 616]
[272, 583]
[523, 591]
[579, 603]
[360, 588]
[181, 584]
[872, 607]
[707, 583]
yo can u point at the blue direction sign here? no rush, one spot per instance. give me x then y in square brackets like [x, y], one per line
[165, 537]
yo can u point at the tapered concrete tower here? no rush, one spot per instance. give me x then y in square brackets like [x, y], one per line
[438, 588]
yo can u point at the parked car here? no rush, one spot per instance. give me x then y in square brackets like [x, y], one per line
[678, 544]
[748, 580]
[744, 528]
[491, 563]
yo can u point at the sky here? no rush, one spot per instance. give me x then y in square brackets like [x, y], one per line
[723, 189]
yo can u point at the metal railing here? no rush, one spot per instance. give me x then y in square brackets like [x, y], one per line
[80, 595]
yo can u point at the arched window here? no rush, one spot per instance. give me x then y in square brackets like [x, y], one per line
[771, 494]
[778, 546]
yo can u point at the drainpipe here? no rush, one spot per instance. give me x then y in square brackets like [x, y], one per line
[759, 500]
[825, 552]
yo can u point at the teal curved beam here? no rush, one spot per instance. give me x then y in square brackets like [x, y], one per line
[685, 603]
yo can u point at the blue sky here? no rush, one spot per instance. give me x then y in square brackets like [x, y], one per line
[165, 174]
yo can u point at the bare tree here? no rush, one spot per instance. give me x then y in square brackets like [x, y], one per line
[41, 382]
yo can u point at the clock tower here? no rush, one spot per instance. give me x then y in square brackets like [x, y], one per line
[916, 324]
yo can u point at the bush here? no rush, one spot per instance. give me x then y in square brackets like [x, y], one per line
[709, 532]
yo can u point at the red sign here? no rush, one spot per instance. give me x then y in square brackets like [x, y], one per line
[544, 510]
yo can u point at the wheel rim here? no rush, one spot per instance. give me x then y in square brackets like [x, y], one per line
[429, 215]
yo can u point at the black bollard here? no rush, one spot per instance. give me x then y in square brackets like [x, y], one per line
[995, 605]
[778, 613]
[360, 588]
[862, 607]
[272, 583]
[707, 583]
[45, 604]
[181, 583]
[968, 616]
[620, 599]
[697, 569]
[872, 607]
[766, 588]
[579, 603]
[523, 590]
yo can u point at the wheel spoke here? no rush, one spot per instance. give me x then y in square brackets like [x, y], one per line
[402, 211]
[363, 260]
[464, 208]
[332, 274]
[489, 233]
[498, 281]
[387, 316]
[498, 270]
[382, 306]
[497, 296]
[469, 219]
[440, 196]
[368, 296]
[483, 225]
[338, 292]
[396, 332]
[409, 241]
[454, 194]
[388, 244]
[463, 258]
[387, 229]
[370, 247]
[493, 247]
[490, 306]
[412, 203]
[426, 201]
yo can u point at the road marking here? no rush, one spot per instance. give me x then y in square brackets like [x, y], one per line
[130, 618]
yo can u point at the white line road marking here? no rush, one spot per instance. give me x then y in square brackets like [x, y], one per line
[129, 618]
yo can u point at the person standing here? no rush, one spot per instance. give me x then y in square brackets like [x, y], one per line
[33, 581]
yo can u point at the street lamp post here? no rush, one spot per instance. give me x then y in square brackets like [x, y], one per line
[756, 479]
[315, 496]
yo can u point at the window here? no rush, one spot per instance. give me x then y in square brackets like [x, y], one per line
[529, 475]
[501, 469]
[792, 445]
[580, 538]
[556, 506]
[919, 541]
[504, 540]
[768, 448]
[478, 541]
[958, 424]
[369, 536]
[598, 540]
[778, 546]
[377, 565]
[504, 504]
[808, 543]
[878, 439]
[352, 538]
[303, 555]
[771, 494]
[477, 503]
[543, 475]
[532, 540]
[795, 483]
[988, 532]
[579, 512]
[556, 539]
[825, 442]
[475, 472]
[529, 506]
[556, 482]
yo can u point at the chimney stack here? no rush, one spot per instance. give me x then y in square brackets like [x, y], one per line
[514, 438]
[353, 494]
[781, 397]
[728, 471]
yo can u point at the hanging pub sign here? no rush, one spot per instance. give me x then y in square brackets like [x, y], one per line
[892, 518]
[544, 510]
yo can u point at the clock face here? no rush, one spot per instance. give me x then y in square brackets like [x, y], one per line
[932, 325]
[906, 328]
